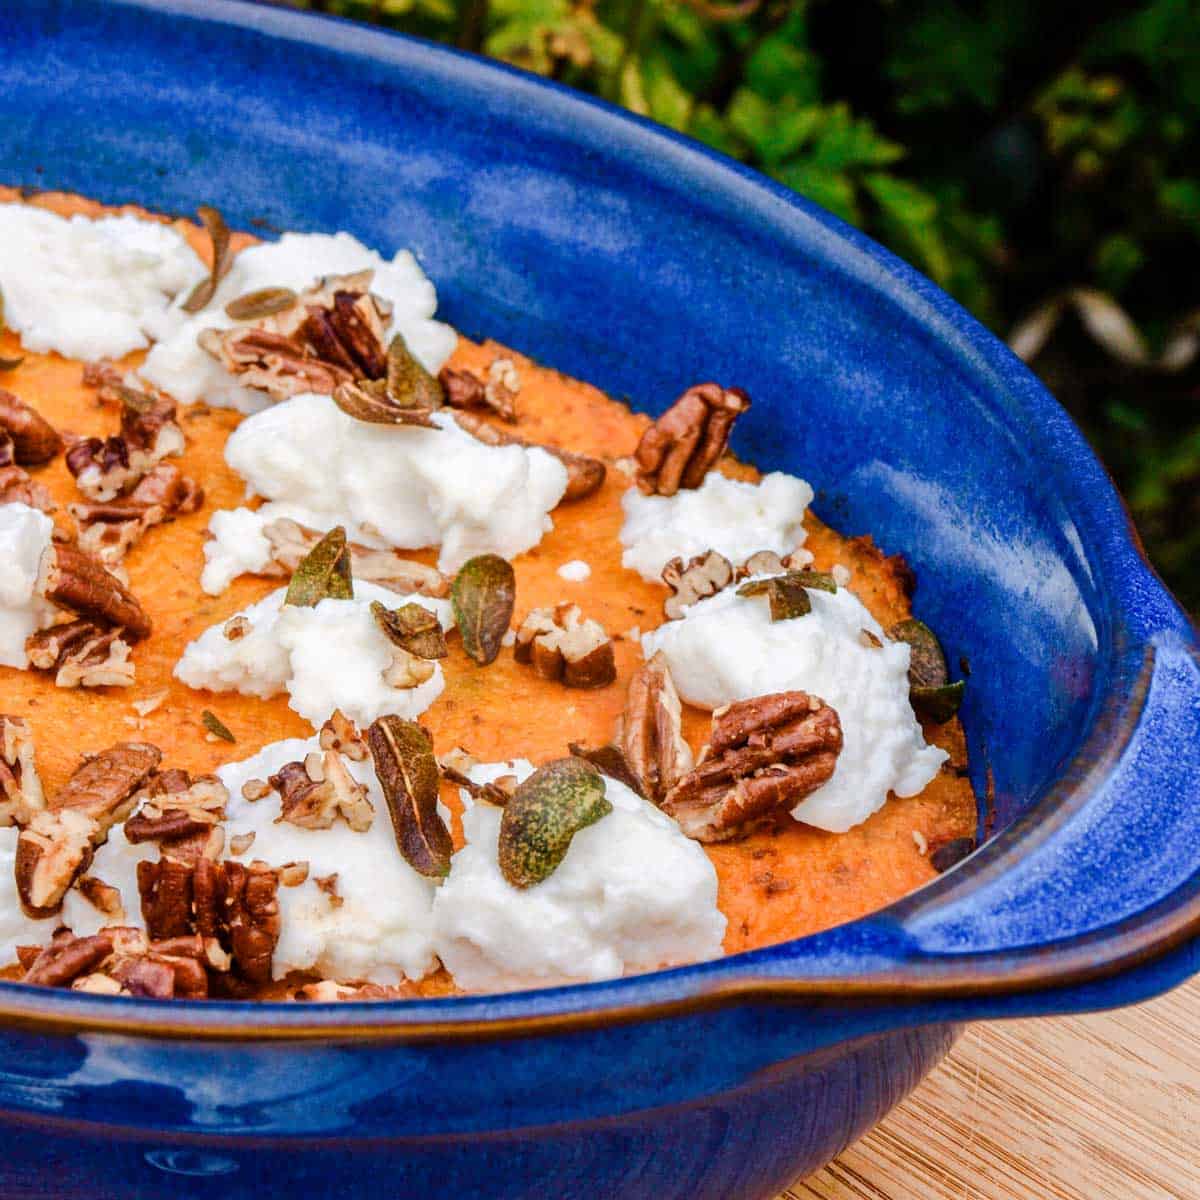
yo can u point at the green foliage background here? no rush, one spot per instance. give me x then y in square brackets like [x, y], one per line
[1021, 154]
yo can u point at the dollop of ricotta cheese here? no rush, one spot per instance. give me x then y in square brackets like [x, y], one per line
[631, 894]
[399, 486]
[91, 288]
[331, 655]
[24, 537]
[735, 518]
[726, 648]
[181, 368]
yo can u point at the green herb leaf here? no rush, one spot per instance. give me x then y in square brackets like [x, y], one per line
[413, 628]
[222, 260]
[265, 302]
[323, 573]
[216, 726]
[787, 594]
[408, 776]
[544, 814]
[927, 661]
[368, 400]
[483, 595]
[937, 704]
[409, 385]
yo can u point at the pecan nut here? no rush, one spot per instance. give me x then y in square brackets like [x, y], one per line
[682, 446]
[82, 655]
[313, 793]
[67, 957]
[464, 389]
[650, 731]
[16, 487]
[21, 793]
[763, 757]
[175, 807]
[585, 474]
[560, 643]
[79, 582]
[34, 439]
[704, 575]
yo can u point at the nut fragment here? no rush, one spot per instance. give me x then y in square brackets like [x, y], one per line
[16, 487]
[315, 792]
[174, 806]
[704, 575]
[102, 897]
[680, 448]
[34, 439]
[560, 643]
[764, 756]
[290, 542]
[585, 474]
[464, 389]
[293, 874]
[21, 792]
[66, 958]
[77, 581]
[650, 733]
[82, 655]
[340, 734]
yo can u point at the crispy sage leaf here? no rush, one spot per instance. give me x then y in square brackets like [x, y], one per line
[408, 383]
[413, 628]
[937, 704]
[323, 573]
[950, 854]
[787, 594]
[612, 762]
[544, 814]
[927, 662]
[483, 595]
[368, 400]
[216, 726]
[408, 775]
[218, 235]
[265, 302]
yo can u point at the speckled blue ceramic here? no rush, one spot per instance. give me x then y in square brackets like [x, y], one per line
[637, 260]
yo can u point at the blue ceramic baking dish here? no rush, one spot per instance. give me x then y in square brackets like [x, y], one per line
[640, 261]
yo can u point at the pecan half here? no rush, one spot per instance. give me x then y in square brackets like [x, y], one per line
[251, 918]
[560, 643]
[704, 575]
[464, 389]
[585, 475]
[174, 807]
[332, 334]
[680, 448]
[291, 542]
[80, 583]
[67, 957]
[81, 655]
[34, 439]
[650, 732]
[21, 793]
[313, 793]
[764, 756]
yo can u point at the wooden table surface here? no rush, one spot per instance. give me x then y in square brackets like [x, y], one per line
[1102, 1107]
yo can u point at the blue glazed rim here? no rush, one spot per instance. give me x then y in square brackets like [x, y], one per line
[871, 960]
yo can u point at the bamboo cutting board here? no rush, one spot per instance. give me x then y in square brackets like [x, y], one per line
[1101, 1107]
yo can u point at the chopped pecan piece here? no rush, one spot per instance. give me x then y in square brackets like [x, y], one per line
[560, 643]
[704, 575]
[34, 439]
[77, 581]
[315, 792]
[464, 389]
[67, 957]
[251, 918]
[680, 448]
[325, 991]
[332, 334]
[650, 732]
[764, 756]
[585, 475]
[291, 542]
[16, 487]
[101, 896]
[82, 655]
[175, 807]
[21, 792]
[407, 670]
[105, 785]
[341, 735]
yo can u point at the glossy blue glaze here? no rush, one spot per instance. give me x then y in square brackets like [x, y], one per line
[637, 260]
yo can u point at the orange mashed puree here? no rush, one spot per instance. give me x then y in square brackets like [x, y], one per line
[773, 885]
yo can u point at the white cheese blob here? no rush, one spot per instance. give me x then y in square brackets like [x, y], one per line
[631, 894]
[24, 537]
[398, 486]
[727, 648]
[575, 571]
[115, 863]
[298, 260]
[16, 929]
[382, 931]
[734, 518]
[90, 288]
[331, 655]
